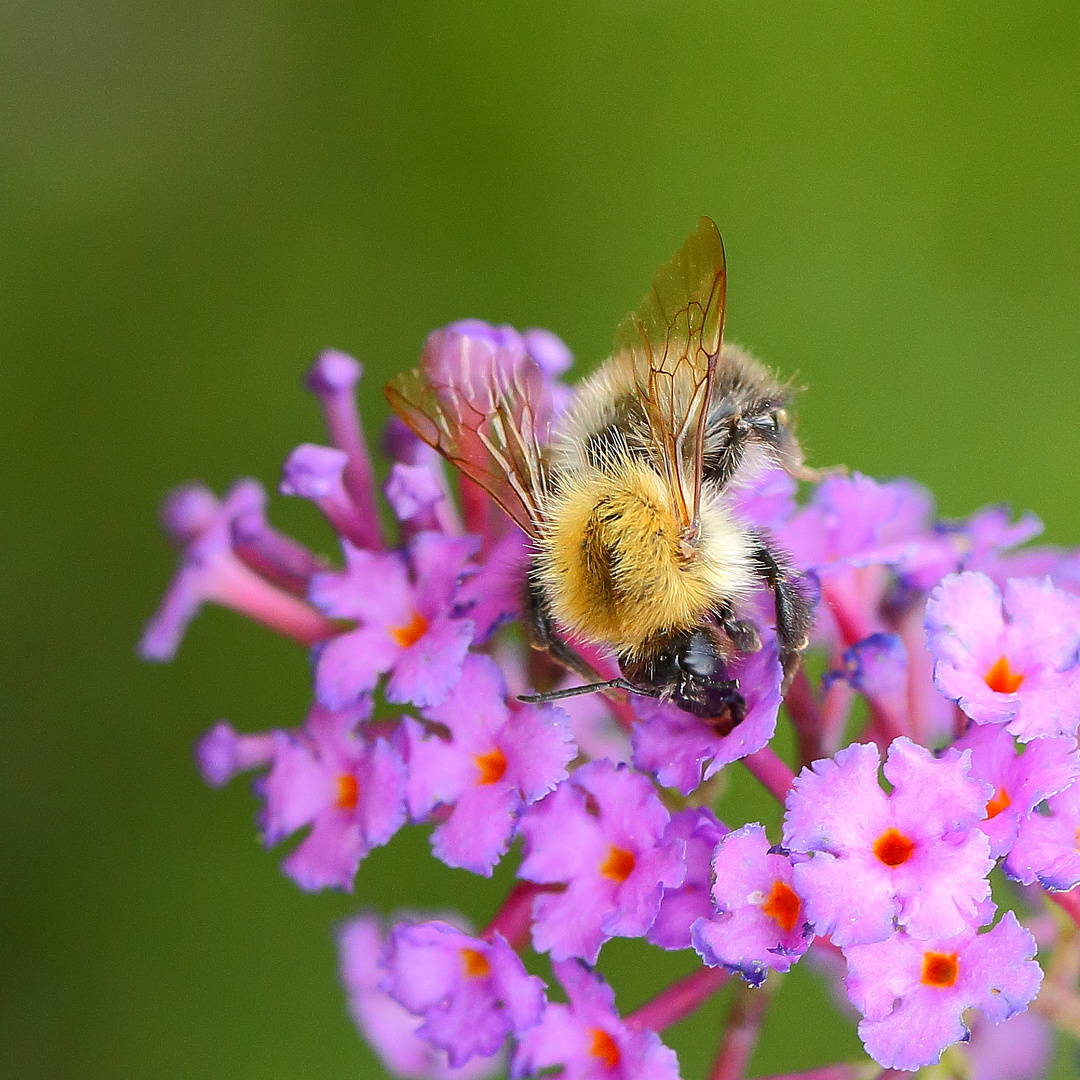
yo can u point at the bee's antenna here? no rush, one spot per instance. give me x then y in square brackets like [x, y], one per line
[590, 688]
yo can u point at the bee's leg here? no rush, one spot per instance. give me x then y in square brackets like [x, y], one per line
[542, 634]
[742, 633]
[794, 611]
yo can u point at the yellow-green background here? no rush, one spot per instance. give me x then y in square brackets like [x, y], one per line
[195, 198]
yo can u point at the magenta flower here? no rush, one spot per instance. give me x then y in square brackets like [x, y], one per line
[913, 993]
[1047, 847]
[912, 857]
[1020, 781]
[494, 762]
[212, 571]
[471, 993]
[601, 834]
[674, 744]
[758, 922]
[1011, 661]
[402, 603]
[389, 1028]
[683, 905]
[349, 788]
[223, 752]
[587, 1039]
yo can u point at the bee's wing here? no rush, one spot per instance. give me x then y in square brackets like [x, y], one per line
[672, 342]
[488, 412]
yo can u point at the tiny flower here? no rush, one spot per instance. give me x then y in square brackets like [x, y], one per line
[876, 666]
[683, 905]
[471, 993]
[602, 834]
[1047, 847]
[1020, 781]
[674, 744]
[758, 921]
[913, 993]
[1011, 661]
[494, 762]
[332, 379]
[317, 473]
[853, 529]
[402, 603]
[348, 788]
[911, 857]
[413, 491]
[587, 1038]
[211, 571]
[390, 1028]
[223, 752]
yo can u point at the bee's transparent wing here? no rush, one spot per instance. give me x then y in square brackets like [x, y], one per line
[672, 342]
[487, 410]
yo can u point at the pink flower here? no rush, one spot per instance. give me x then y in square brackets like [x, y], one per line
[911, 857]
[913, 994]
[602, 834]
[1007, 661]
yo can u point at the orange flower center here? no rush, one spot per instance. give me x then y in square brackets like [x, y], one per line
[939, 969]
[998, 803]
[411, 632]
[348, 791]
[476, 963]
[783, 906]
[603, 1047]
[893, 848]
[1002, 679]
[492, 765]
[618, 865]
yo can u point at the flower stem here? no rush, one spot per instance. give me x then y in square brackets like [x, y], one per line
[765, 766]
[1069, 902]
[842, 1070]
[514, 918]
[740, 1035]
[806, 717]
[678, 1000]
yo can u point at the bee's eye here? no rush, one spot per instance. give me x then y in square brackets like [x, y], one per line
[779, 419]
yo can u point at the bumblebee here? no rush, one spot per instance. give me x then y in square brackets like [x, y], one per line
[627, 495]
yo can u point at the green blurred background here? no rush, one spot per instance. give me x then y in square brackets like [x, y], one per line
[196, 198]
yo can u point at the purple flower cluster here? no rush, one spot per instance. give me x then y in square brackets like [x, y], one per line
[963, 647]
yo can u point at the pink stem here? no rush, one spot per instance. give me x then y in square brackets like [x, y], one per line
[1069, 902]
[678, 1000]
[840, 1071]
[240, 588]
[806, 717]
[514, 918]
[740, 1035]
[764, 765]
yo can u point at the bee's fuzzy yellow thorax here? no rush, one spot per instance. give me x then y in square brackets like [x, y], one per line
[612, 566]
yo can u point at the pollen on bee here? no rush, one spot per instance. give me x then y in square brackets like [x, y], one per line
[940, 969]
[893, 848]
[1001, 678]
[618, 865]
[476, 963]
[411, 632]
